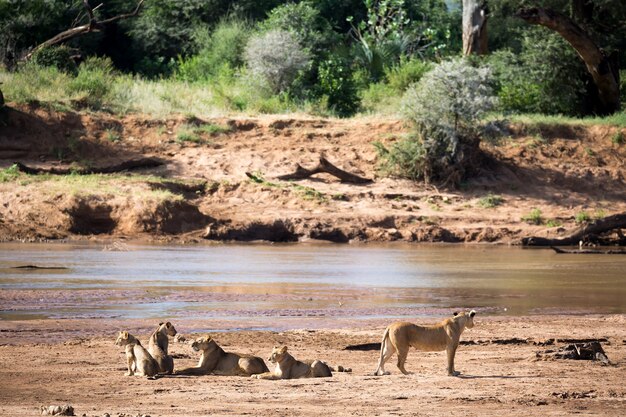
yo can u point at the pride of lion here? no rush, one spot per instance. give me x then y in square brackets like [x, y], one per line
[398, 338]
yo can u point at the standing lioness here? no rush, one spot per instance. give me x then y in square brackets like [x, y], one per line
[400, 336]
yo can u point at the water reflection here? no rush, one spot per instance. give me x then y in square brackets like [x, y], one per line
[303, 281]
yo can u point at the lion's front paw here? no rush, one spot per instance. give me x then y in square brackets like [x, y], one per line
[454, 373]
[128, 374]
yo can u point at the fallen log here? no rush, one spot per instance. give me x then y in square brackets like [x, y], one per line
[616, 221]
[124, 166]
[590, 251]
[326, 167]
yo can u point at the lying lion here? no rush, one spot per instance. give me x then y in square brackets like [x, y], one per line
[401, 336]
[139, 361]
[287, 367]
[214, 360]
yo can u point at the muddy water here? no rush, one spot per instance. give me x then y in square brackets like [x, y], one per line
[276, 283]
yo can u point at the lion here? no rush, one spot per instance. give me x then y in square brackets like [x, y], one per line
[140, 362]
[214, 360]
[158, 345]
[400, 336]
[287, 367]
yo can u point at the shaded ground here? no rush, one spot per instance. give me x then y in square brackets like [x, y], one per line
[203, 190]
[74, 361]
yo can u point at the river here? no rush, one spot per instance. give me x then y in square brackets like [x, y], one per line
[278, 282]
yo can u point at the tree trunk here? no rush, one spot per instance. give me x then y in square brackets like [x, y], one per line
[474, 27]
[602, 67]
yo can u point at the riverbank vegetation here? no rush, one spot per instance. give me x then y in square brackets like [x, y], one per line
[337, 59]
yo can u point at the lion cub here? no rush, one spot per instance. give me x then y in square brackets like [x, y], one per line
[400, 336]
[287, 367]
[158, 345]
[140, 362]
[214, 360]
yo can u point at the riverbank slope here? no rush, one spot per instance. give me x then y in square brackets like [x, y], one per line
[539, 181]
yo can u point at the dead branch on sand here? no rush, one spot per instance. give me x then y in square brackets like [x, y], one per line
[124, 166]
[326, 167]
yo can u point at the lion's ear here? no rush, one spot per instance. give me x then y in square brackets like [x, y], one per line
[124, 335]
[161, 324]
[168, 324]
[456, 313]
[472, 313]
[283, 349]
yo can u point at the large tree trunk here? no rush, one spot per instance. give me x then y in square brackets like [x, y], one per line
[602, 67]
[474, 27]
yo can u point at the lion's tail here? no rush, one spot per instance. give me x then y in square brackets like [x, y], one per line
[383, 345]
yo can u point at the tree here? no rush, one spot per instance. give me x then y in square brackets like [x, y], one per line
[603, 66]
[475, 14]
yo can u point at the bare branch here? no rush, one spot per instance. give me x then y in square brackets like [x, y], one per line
[94, 25]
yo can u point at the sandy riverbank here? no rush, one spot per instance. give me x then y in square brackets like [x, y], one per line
[49, 362]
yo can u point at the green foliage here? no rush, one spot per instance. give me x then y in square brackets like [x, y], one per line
[553, 223]
[618, 138]
[490, 201]
[454, 96]
[94, 80]
[276, 57]
[32, 83]
[534, 217]
[55, 56]
[220, 52]
[545, 77]
[445, 107]
[582, 217]
[9, 174]
[406, 72]
[187, 134]
[305, 22]
[337, 85]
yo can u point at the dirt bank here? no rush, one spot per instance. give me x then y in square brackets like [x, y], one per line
[74, 361]
[202, 191]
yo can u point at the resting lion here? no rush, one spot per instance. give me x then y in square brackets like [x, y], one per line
[140, 362]
[158, 345]
[214, 360]
[287, 367]
[401, 336]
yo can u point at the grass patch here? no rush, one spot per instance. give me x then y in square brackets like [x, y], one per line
[534, 217]
[617, 119]
[490, 201]
[554, 223]
[112, 136]
[618, 139]
[9, 174]
[187, 133]
[582, 217]
[212, 129]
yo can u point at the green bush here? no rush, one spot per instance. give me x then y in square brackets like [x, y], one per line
[59, 57]
[445, 107]
[407, 72]
[277, 58]
[545, 77]
[338, 87]
[94, 81]
[220, 51]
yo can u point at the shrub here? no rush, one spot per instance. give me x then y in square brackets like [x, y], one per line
[305, 22]
[533, 80]
[445, 107]
[338, 87]
[276, 57]
[534, 217]
[490, 201]
[94, 80]
[220, 51]
[33, 83]
[407, 72]
[59, 57]
[582, 217]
